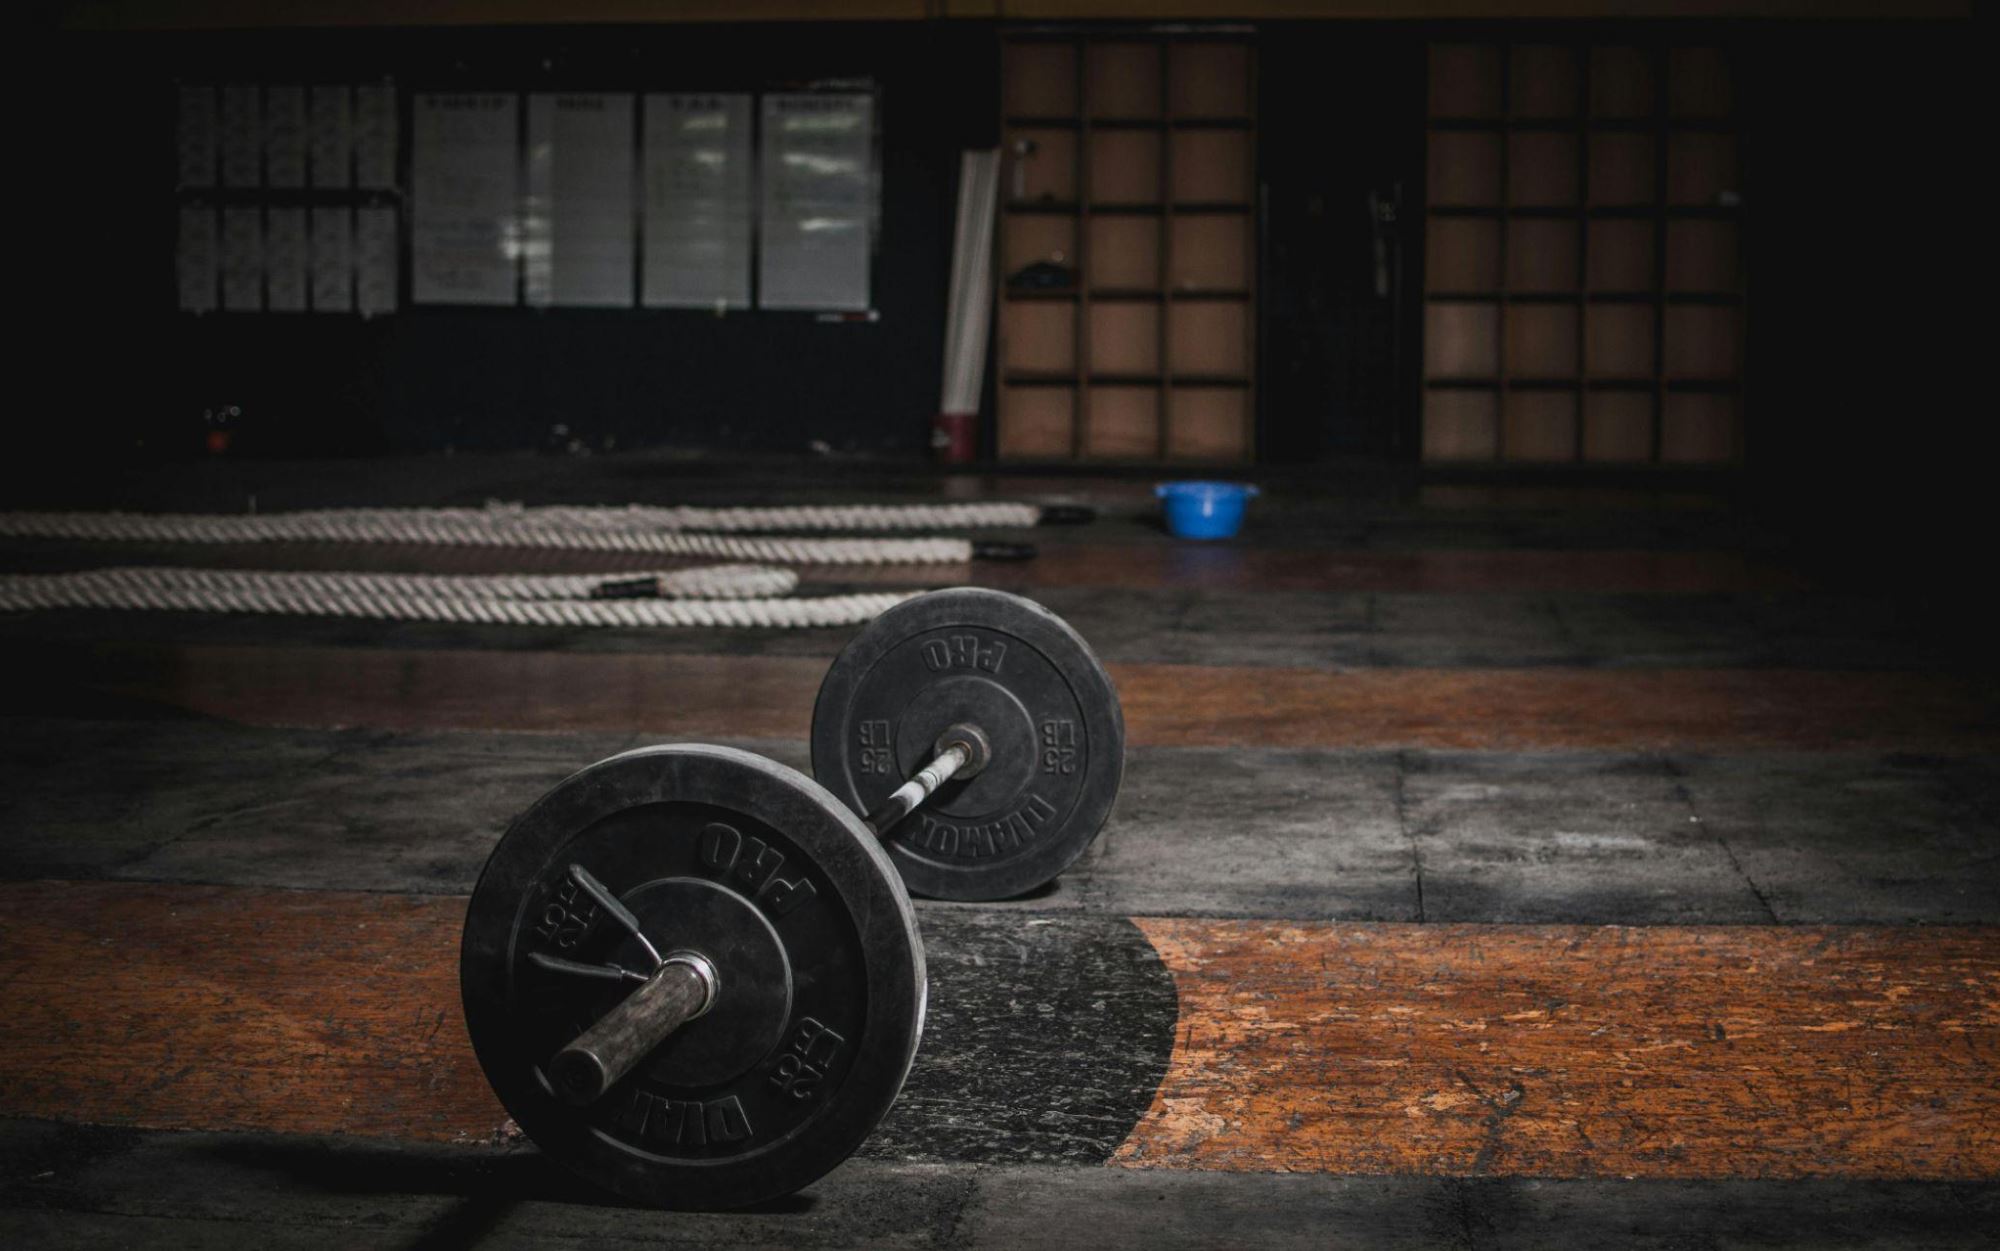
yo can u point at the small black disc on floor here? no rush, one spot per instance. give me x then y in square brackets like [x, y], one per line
[1030, 684]
[821, 989]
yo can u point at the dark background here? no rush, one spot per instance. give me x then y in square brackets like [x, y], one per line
[1861, 262]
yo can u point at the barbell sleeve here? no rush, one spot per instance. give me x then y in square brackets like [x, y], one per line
[680, 990]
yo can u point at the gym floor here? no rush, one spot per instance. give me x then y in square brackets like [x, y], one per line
[1495, 866]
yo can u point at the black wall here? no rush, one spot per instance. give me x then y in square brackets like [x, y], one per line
[429, 377]
[1867, 288]
[1864, 272]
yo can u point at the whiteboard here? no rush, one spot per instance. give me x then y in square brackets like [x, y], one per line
[698, 209]
[817, 213]
[195, 136]
[578, 214]
[197, 259]
[375, 136]
[285, 264]
[332, 259]
[464, 206]
[329, 138]
[242, 136]
[242, 259]
[285, 136]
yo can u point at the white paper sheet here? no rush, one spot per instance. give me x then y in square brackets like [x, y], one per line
[465, 233]
[699, 212]
[285, 259]
[818, 206]
[242, 137]
[375, 136]
[331, 139]
[332, 260]
[285, 136]
[375, 259]
[195, 135]
[578, 216]
[196, 258]
[242, 259]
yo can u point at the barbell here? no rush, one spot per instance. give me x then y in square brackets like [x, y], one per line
[693, 975]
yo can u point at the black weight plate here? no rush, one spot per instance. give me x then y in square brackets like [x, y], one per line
[821, 972]
[1044, 702]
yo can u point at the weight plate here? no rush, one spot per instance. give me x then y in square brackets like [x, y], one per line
[820, 1001]
[1023, 677]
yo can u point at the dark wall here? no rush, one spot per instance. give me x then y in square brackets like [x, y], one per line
[1858, 212]
[430, 377]
[1858, 152]
[1340, 118]
[1866, 286]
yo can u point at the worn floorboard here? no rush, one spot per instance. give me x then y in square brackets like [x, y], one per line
[1561, 1051]
[1167, 705]
[78, 1186]
[1592, 837]
[182, 1007]
[1450, 1050]
[1251, 628]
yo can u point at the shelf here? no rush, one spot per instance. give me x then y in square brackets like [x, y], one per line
[1185, 209]
[1023, 379]
[1509, 297]
[1603, 125]
[1164, 172]
[1595, 212]
[1125, 380]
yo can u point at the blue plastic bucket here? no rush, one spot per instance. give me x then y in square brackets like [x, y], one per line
[1204, 510]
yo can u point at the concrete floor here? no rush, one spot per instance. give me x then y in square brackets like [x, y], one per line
[1701, 729]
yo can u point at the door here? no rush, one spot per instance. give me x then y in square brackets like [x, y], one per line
[1342, 146]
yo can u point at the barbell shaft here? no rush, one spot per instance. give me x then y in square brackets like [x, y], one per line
[915, 791]
[680, 990]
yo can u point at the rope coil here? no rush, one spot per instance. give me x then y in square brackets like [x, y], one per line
[507, 600]
[712, 582]
[705, 532]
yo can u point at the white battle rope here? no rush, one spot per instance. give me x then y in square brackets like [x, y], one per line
[713, 582]
[664, 531]
[501, 600]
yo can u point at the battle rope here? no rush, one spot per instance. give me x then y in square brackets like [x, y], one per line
[506, 600]
[666, 531]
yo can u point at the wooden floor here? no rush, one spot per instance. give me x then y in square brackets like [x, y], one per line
[1491, 870]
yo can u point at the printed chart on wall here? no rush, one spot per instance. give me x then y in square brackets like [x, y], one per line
[465, 228]
[818, 208]
[698, 202]
[577, 221]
